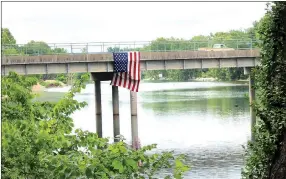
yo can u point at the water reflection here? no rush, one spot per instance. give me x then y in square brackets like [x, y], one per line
[207, 121]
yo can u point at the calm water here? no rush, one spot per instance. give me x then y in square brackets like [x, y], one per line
[209, 121]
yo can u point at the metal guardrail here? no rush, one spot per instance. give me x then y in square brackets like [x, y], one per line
[41, 48]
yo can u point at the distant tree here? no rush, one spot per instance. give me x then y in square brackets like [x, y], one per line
[201, 41]
[9, 46]
[36, 48]
[113, 49]
[40, 48]
[124, 49]
[59, 51]
[7, 37]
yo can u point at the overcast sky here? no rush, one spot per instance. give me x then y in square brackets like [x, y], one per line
[63, 22]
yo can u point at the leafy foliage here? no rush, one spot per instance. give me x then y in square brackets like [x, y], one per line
[225, 74]
[271, 91]
[35, 48]
[8, 38]
[38, 141]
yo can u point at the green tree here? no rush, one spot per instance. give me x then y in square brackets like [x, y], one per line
[9, 46]
[7, 37]
[36, 48]
[59, 51]
[173, 44]
[37, 141]
[40, 48]
[265, 157]
[225, 74]
[200, 41]
[168, 44]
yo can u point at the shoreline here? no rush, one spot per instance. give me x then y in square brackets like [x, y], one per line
[38, 88]
[48, 84]
[195, 80]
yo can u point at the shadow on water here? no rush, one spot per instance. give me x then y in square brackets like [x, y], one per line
[198, 100]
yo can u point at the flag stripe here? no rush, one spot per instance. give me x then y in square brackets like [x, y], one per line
[114, 78]
[138, 68]
[117, 79]
[125, 79]
[120, 79]
[134, 66]
[131, 64]
[134, 70]
[137, 87]
[130, 67]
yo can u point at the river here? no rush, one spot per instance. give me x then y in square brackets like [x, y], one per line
[208, 121]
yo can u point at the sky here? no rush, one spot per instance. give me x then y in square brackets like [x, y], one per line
[82, 22]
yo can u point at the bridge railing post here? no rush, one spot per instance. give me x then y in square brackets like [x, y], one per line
[86, 48]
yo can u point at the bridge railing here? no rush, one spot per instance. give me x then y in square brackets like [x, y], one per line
[41, 48]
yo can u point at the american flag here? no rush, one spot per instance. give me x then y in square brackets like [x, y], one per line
[127, 70]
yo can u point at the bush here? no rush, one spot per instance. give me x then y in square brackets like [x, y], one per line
[265, 152]
[37, 141]
[51, 83]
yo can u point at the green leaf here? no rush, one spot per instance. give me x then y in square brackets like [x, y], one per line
[118, 165]
[89, 173]
[132, 163]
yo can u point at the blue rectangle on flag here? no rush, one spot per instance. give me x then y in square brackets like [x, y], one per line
[120, 62]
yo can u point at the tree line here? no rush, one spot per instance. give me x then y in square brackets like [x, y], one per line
[237, 39]
[10, 47]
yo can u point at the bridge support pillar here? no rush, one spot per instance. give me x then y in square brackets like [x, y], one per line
[115, 105]
[98, 112]
[247, 71]
[134, 120]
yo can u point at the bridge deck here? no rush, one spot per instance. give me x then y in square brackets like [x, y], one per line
[74, 63]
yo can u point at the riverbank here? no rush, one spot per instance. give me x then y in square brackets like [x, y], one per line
[41, 86]
[193, 80]
[38, 88]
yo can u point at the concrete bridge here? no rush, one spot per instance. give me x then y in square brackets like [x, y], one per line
[100, 65]
[103, 62]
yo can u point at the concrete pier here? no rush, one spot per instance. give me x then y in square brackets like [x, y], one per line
[97, 78]
[98, 108]
[247, 71]
[115, 105]
[134, 120]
